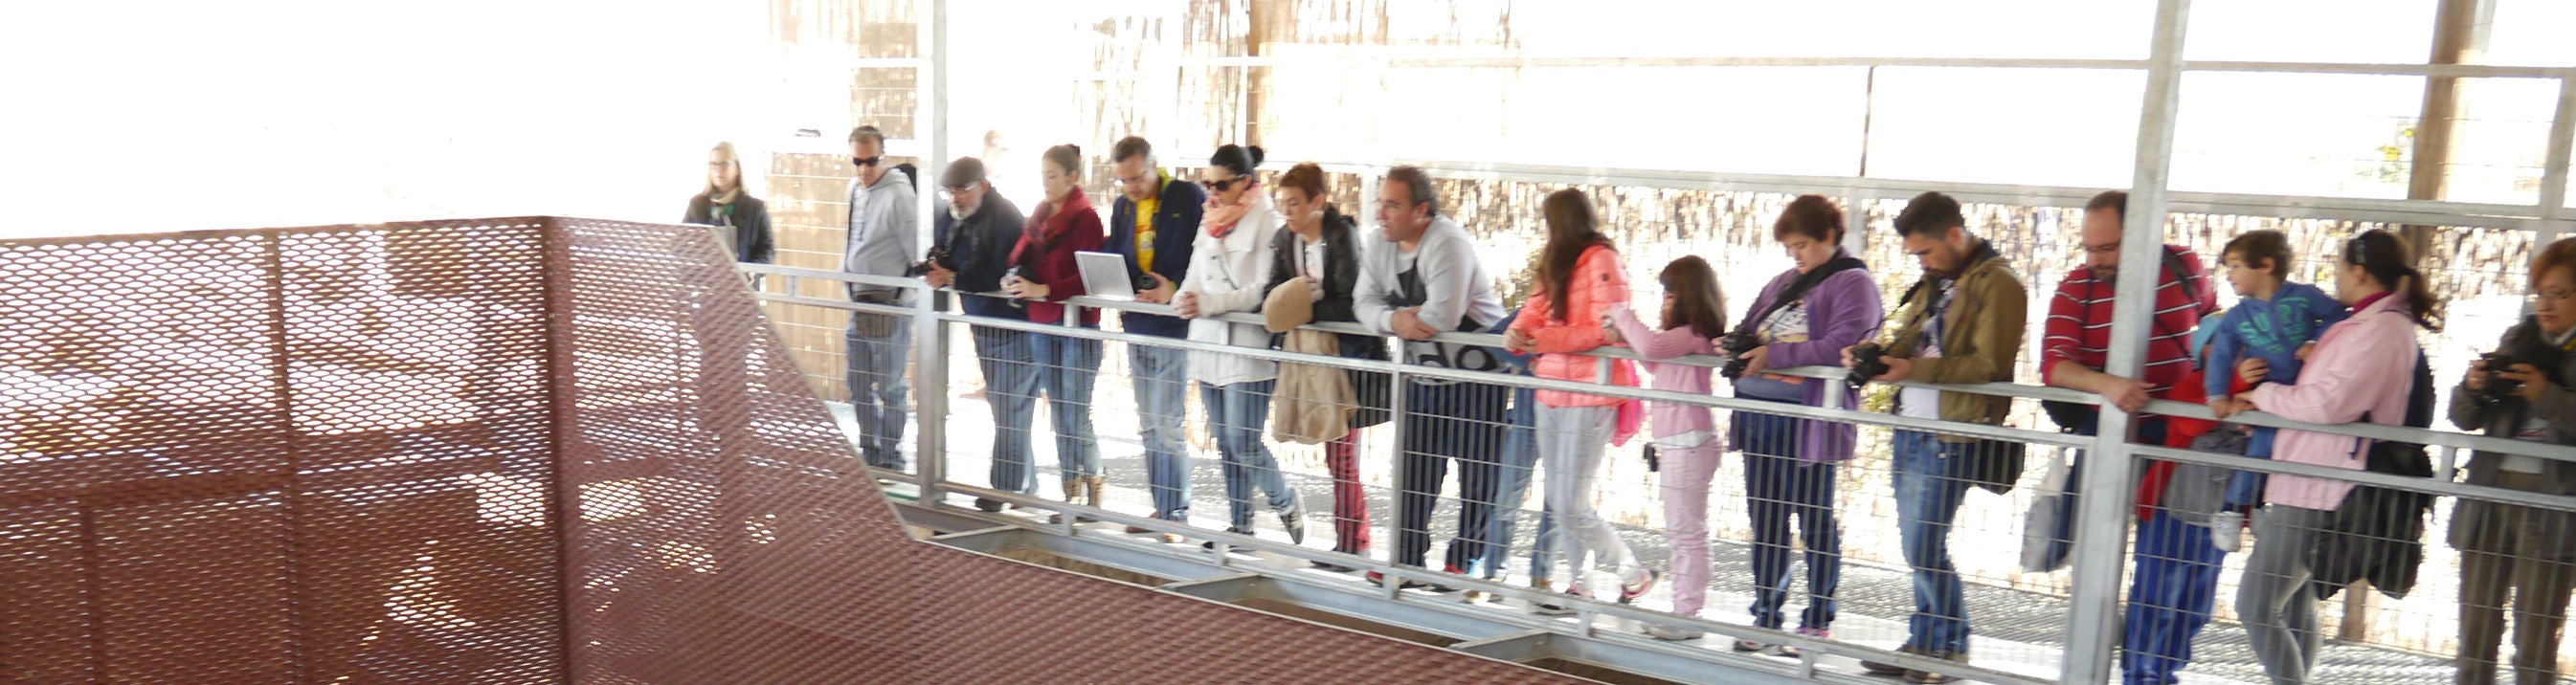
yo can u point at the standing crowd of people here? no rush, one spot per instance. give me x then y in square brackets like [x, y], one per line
[1227, 242]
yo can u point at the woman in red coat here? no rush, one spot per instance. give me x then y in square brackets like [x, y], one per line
[1043, 275]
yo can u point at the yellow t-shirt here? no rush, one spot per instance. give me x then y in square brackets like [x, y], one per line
[1145, 227]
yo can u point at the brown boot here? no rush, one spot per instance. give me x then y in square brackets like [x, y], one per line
[1072, 495]
[1091, 487]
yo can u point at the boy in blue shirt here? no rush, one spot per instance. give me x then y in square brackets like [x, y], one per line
[2265, 338]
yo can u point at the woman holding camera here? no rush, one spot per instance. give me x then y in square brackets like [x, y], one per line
[1804, 317]
[2510, 552]
[2348, 378]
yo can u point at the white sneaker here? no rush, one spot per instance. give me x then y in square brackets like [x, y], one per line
[1672, 633]
[2227, 530]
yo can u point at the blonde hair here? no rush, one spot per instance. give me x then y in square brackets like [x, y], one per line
[741, 184]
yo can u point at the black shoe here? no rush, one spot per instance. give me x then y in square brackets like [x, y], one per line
[1211, 544]
[989, 506]
[1379, 579]
[1330, 567]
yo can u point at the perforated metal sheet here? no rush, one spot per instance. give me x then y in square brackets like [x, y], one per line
[728, 534]
[505, 451]
[280, 455]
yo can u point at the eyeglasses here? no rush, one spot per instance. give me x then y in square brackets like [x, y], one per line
[961, 190]
[2556, 295]
[867, 161]
[1225, 185]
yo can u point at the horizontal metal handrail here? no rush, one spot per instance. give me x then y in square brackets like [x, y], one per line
[2433, 485]
[1513, 60]
[2426, 436]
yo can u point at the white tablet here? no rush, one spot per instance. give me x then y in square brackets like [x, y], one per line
[1104, 275]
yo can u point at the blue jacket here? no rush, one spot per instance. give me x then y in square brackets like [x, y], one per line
[2269, 330]
[1176, 221]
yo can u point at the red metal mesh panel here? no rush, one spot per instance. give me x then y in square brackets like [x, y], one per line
[268, 456]
[504, 451]
[729, 534]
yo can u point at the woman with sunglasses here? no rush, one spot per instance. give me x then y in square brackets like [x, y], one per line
[1230, 262]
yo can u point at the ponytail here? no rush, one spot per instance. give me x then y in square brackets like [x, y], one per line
[2382, 255]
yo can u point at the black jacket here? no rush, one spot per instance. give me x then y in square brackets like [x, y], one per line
[983, 252]
[1176, 223]
[1341, 276]
[749, 219]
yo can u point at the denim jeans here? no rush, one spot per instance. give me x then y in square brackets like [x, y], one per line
[1519, 466]
[1236, 414]
[1932, 478]
[1161, 377]
[878, 396]
[1780, 483]
[1011, 389]
[1461, 421]
[1067, 368]
[2171, 593]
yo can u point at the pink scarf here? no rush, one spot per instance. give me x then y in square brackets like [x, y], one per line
[1220, 219]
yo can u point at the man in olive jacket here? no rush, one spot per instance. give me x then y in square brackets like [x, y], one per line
[1962, 324]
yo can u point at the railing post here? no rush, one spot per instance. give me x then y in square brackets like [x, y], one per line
[2102, 518]
[930, 334]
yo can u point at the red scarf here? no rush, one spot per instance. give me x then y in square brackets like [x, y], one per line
[1220, 219]
[1051, 222]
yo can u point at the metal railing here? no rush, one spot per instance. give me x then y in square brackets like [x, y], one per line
[933, 483]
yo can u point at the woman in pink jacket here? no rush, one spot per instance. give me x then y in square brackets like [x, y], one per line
[1686, 434]
[1579, 279]
[2349, 377]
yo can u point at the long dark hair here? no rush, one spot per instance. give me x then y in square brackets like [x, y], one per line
[1570, 230]
[1697, 300]
[2383, 255]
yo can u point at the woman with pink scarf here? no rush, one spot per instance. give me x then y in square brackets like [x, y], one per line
[1230, 262]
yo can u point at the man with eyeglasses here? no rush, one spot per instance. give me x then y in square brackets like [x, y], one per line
[1152, 224]
[2176, 579]
[978, 229]
[883, 240]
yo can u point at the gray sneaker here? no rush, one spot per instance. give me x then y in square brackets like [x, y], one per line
[1294, 519]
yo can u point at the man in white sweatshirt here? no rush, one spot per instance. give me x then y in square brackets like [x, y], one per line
[884, 240]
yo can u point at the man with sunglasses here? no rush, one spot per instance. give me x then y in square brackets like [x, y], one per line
[883, 240]
[1152, 224]
[2175, 583]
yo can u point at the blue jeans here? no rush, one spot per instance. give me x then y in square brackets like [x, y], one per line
[2245, 489]
[878, 395]
[1011, 390]
[1932, 478]
[1461, 421]
[1161, 377]
[2171, 592]
[1236, 413]
[1067, 368]
[1780, 484]
[1519, 463]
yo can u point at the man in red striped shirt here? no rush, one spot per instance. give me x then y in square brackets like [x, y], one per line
[2176, 578]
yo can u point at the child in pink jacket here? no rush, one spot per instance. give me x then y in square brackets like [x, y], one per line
[1685, 434]
[1579, 280]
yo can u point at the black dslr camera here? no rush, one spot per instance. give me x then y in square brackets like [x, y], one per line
[1734, 345]
[2500, 388]
[938, 255]
[1867, 363]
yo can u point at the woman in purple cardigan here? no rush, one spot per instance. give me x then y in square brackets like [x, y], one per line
[1805, 317]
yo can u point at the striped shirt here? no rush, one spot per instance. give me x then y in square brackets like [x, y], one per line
[2079, 322]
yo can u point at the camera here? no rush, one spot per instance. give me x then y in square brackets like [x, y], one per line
[1007, 275]
[1867, 363]
[937, 256]
[2499, 388]
[1734, 345]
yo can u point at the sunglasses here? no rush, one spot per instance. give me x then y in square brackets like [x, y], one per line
[867, 161]
[1225, 185]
